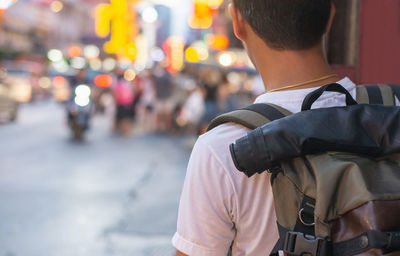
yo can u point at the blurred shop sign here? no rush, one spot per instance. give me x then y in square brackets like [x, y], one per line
[118, 21]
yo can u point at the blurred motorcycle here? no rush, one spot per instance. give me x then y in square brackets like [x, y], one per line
[79, 110]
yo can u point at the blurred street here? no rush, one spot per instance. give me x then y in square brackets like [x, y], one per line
[101, 102]
[108, 196]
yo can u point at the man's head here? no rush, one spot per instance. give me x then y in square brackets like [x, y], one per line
[286, 24]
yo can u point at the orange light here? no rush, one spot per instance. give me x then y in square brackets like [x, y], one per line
[103, 80]
[217, 42]
[59, 81]
[202, 16]
[75, 51]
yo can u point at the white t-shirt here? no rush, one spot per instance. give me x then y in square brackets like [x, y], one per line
[219, 204]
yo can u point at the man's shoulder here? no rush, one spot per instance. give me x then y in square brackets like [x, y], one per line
[216, 141]
[223, 134]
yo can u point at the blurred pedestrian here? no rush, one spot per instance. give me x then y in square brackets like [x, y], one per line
[124, 98]
[193, 110]
[164, 105]
[146, 103]
[210, 79]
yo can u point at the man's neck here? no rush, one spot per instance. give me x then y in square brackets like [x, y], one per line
[280, 69]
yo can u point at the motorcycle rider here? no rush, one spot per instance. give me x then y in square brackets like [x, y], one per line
[74, 106]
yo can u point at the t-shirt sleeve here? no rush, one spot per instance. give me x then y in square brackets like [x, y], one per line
[205, 219]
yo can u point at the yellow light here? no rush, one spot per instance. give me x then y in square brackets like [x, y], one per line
[103, 16]
[130, 51]
[129, 75]
[118, 20]
[214, 3]
[56, 6]
[191, 54]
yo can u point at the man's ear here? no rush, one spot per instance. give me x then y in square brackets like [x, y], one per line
[238, 22]
[331, 17]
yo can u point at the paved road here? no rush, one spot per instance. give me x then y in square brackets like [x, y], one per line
[109, 196]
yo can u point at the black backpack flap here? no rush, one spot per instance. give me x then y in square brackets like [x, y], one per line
[371, 130]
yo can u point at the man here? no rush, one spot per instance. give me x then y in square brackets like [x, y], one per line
[220, 208]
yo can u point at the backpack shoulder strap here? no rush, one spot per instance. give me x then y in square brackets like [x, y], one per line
[383, 94]
[396, 90]
[251, 117]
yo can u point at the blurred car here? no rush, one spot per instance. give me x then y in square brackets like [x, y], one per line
[18, 81]
[8, 106]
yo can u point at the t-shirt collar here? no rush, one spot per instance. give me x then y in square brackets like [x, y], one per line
[291, 96]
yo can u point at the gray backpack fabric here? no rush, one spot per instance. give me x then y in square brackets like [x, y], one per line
[336, 180]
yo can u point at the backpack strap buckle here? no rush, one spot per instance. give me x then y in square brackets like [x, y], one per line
[300, 244]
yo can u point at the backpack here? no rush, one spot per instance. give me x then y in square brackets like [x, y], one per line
[335, 172]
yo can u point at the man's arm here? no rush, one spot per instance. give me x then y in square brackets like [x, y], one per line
[178, 253]
[205, 225]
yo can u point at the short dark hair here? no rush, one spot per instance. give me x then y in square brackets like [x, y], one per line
[287, 24]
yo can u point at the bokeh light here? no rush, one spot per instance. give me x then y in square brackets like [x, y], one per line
[103, 80]
[5, 4]
[226, 59]
[191, 54]
[95, 64]
[55, 55]
[149, 14]
[109, 64]
[91, 51]
[78, 63]
[59, 81]
[129, 75]
[56, 6]
[74, 51]
[44, 82]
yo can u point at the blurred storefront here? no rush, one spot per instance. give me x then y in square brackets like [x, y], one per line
[33, 26]
[364, 40]
[363, 43]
